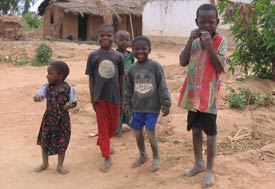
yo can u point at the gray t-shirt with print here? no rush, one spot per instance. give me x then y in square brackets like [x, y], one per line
[146, 88]
[106, 67]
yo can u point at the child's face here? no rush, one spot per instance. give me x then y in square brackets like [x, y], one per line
[53, 76]
[207, 20]
[141, 51]
[105, 39]
[122, 41]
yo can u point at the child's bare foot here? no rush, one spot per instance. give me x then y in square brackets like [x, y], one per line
[42, 167]
[62, 170]
[107, 165]
[142, 159]
[208, 178]
[197, 168]
[155, 165]
[112, 150]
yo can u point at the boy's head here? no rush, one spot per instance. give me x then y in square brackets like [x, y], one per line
[57, 71]
[105, 35]
[122, 40]
[207, 18]
[141, 48]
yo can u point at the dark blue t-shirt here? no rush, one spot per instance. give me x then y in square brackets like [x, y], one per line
[106, 67]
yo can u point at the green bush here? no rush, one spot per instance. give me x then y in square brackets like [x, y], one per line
[253, 29]
[43, 55]
[243, 96]
[32, 20]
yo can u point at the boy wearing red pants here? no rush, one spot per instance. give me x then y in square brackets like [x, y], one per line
[105, 68]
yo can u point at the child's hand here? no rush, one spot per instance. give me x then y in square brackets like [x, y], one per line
[165, 110]
[194, 34]
[127, 110]
[205, 39]
[69, 105]
[94, 107]
[38, 98]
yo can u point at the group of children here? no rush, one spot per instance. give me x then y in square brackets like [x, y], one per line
[122, 91]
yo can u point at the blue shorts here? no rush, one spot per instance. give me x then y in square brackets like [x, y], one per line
[141, 119]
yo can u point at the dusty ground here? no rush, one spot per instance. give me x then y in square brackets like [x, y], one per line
[248, 162]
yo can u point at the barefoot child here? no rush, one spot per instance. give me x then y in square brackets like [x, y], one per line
[105, 68]
[55, 130]
[122, 40]
[146, 94]
[205, 55]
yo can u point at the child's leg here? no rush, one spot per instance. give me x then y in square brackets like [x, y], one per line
[107, 118]
[45, 161]
[60, 168]
[118, 131]
[208, 179]
[154, 145]
[141, 147]
[106, 165]
[197, 146]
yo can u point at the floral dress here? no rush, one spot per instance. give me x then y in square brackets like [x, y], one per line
[55, 130]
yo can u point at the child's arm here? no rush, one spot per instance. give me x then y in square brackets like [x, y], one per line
[70, 105]
[164, 95]
[121, 84]
[41, 93]
[129, 93]
[186, 52]
[91, 82]
[206, 40]
[73, 100]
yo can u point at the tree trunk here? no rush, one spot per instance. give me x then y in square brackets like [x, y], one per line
[272, 58]
[273, 69]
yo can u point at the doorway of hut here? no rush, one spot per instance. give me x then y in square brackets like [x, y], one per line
[82, 27]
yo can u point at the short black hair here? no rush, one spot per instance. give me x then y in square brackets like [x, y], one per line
[121, 32]
[207, 7]
[61, 68]
[106, 27]
[142, 38]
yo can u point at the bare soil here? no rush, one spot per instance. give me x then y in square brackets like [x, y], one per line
[246, 144]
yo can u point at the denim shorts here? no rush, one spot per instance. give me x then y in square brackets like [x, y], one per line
[141, 119]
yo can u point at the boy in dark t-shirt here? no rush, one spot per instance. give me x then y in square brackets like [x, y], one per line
[105, 68]
[147, 94]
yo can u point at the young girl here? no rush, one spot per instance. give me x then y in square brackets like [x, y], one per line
[55, 130]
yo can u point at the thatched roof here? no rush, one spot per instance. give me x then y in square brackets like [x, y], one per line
[96, 7]
[11, 19]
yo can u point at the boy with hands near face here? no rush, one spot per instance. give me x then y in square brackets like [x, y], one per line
[205, 55]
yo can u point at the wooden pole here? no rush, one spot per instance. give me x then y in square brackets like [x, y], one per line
[132, 28]
[131, 22]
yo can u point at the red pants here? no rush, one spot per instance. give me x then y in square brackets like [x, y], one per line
[107, 115]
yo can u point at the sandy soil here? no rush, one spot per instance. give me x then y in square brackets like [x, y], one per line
[246, 162]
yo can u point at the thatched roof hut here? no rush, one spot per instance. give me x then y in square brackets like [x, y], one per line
[11, 27]
[124, 14]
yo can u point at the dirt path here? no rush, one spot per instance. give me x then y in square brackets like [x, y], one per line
[241, 164]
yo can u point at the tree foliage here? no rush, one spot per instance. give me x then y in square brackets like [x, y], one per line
[18, 6]
[253, 30]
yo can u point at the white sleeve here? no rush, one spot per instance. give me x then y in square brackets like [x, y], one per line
[72, 95]
[42, 91]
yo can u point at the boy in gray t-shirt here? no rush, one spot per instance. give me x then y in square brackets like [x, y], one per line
[146, 94]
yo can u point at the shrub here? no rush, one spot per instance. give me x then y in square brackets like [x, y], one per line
[32, 20]
[244, 96]
[253, 29]
[43, 55]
